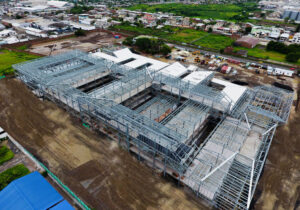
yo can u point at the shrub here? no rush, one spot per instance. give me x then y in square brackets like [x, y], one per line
[11, 174]
[128, 41]
[5, 154]
[293, 57]
[45, 174]
[79, 32]
[165, 49]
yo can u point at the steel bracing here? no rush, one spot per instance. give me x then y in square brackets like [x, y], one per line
[167, 120]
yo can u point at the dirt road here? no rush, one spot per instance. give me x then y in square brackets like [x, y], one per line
[96, 169]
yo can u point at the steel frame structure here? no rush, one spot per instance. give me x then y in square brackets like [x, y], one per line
[221, 169]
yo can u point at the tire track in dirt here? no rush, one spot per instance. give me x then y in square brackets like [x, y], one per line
[96, 169]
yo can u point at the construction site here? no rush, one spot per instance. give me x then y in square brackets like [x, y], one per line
[211, 135]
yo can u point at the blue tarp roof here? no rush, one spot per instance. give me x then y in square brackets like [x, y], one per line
[30, 192]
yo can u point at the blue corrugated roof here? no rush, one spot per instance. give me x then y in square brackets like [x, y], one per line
[29, 192]
[63, 206]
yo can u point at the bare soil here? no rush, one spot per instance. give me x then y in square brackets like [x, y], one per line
[86, 43]
[279, 186]
[95, 168]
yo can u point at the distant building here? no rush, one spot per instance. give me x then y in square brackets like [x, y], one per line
[260, 31]
[247, 41]
[284, 37]
[296, 38]
[292, 15]
[186, 21]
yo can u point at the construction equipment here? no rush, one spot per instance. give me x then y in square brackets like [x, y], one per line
[197, 60]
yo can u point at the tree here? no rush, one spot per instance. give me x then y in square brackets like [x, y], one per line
[293, 57]
[128, 41]
[144, 44]
[298, 28]
[248, 29]
[79, 32]
[278, 47]
[165, 49]
[286, 19]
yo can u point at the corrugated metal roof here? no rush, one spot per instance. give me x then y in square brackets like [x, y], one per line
[30, 192]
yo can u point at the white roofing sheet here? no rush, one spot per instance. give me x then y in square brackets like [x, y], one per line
[140, 60]
[1, 130]
[192, 67]
[137, 63]
[175, 70]
[123, 53]
[107, 57]
[197, 77]
[233, 91]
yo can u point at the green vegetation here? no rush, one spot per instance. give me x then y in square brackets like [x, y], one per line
[79, 32]
[5, 154]
[214, 41]
[149, 45]
[293, 57]
[8, 58]
[181, 35]
[292, 51]
[11, 174]
[77, 9]
[214, 11]
[23, 47]
[186, 35]
[262, 53]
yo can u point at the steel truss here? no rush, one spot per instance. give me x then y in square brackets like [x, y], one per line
[222, 169]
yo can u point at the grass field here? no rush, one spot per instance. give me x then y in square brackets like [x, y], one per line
[214, 11]
[5, 154]
[214, 41]
[11, 174]
[260, 52]
[8, 58]
[189, 36]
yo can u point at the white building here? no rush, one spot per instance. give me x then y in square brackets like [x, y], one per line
[284, 37]
[7, 33]
[278, 71]
[296, 38]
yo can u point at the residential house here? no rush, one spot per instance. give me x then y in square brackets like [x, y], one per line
[186, 21]
[234, 28]
[296, 38]
[284, 37]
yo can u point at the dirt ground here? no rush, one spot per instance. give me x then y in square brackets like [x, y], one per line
[86, 43]
[96, 169]
[279, 186]
[105, 176]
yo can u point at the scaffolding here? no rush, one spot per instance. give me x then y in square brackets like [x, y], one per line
[166, 126]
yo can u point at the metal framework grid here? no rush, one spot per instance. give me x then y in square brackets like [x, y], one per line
[220, 170]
